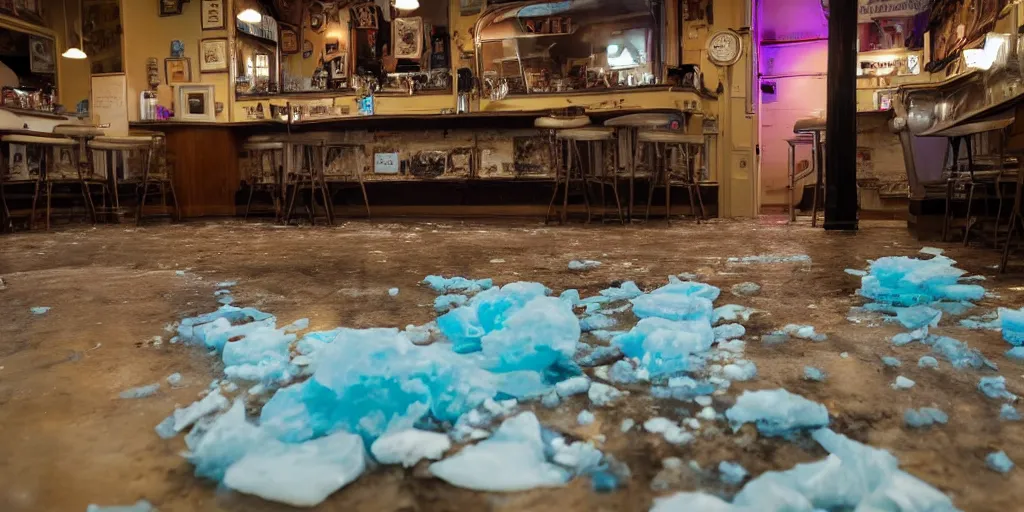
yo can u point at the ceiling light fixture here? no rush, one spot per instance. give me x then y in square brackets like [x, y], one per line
[407, 5]
[250, 16]
[73, 52]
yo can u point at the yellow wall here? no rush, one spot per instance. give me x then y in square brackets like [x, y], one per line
[73, 75]
[146, 35]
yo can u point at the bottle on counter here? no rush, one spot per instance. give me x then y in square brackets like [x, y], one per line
[147, 106]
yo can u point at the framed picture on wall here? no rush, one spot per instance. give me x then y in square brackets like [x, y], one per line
[407, 36]
[339, 67]
[170, 7]
[213, 14]
[195, 103]
[178, 71]
[40, 55]
[213, 55]
[365, 15]
[289, 39]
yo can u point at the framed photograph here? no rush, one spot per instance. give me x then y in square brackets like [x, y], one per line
[289, 39]
[17, 165]
[213, 55]
[195, 103]
[331, 46]
[178, 71]
[40, 55]
[339, 67]
[307, 49]
[213, 14]
[63, 166]
[407, 35]
[470, 7]
[170, 7]
[365, 15]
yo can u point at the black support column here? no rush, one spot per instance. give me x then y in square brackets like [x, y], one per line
[841, 128]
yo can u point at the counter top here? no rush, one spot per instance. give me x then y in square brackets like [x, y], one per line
[399, 120]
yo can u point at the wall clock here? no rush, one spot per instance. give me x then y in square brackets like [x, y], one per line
[725, 48]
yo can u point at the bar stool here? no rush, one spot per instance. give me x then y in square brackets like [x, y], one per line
[150, 150]
[1016, 222]
[805, 139]
[816, 127]
[304, 168]
[259, 149]
[579, 171]
[82, 133]
[50, 174]
[357, 172]
[690, 148]
[626, 129]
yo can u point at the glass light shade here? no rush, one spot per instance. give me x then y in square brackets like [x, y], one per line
[407, 5]
[74, 53]
[250, 16]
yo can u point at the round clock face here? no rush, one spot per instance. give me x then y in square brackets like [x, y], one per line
[724, 48]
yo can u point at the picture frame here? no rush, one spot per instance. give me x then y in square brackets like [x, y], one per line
[289, 39]
[339, 67]
[195, 103]
[365, 15]
[213, 15]
[41, 55]
[307, 49]
[177, 70]
[331, 46]
[213, 55]
[169, 7]
[407, 37]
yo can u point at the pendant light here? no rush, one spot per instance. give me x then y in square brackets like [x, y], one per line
[407, 5]
[250, 16]
[73, 52]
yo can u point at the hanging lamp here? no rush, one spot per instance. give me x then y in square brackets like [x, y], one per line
[250, 16]
[73, 52]
[407, 5]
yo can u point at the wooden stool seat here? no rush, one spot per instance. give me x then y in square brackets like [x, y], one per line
[559, 123]
[263, 146]
[809, 124]
[650, 120]
[78, 130]
[35, 139]
[670, 137]
[590, 134]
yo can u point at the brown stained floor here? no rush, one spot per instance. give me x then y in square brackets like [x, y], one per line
[66, 440]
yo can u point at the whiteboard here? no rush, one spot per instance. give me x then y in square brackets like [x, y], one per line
[109, 102]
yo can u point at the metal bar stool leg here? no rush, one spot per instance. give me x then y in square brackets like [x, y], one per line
[147, 161]
[86, 195]
[556, 163]
[815, 154]
[654, 176]
[570, 161]
[252, 179]
[583, 176]
[35, 198]
[792, 182]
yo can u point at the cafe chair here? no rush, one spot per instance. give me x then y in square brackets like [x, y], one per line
[336, 172]
[675, 162]
[552, 124]
[49, 172]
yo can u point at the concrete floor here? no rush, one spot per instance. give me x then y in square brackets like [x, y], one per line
[67, 440]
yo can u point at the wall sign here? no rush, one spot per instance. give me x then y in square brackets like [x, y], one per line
[386, 163]
[170, 7]
[888, 64]
[213, 15]
[869, 10]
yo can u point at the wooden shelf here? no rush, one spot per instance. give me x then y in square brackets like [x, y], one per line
[35, 113]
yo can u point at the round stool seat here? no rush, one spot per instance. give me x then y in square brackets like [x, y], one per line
[809, 124]
[114, 146]
[78, 130]
[263, 146]
[591, 134]
[670, 137]
[126, 140]
[558, 123]
[35, 139]
[650, 120]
